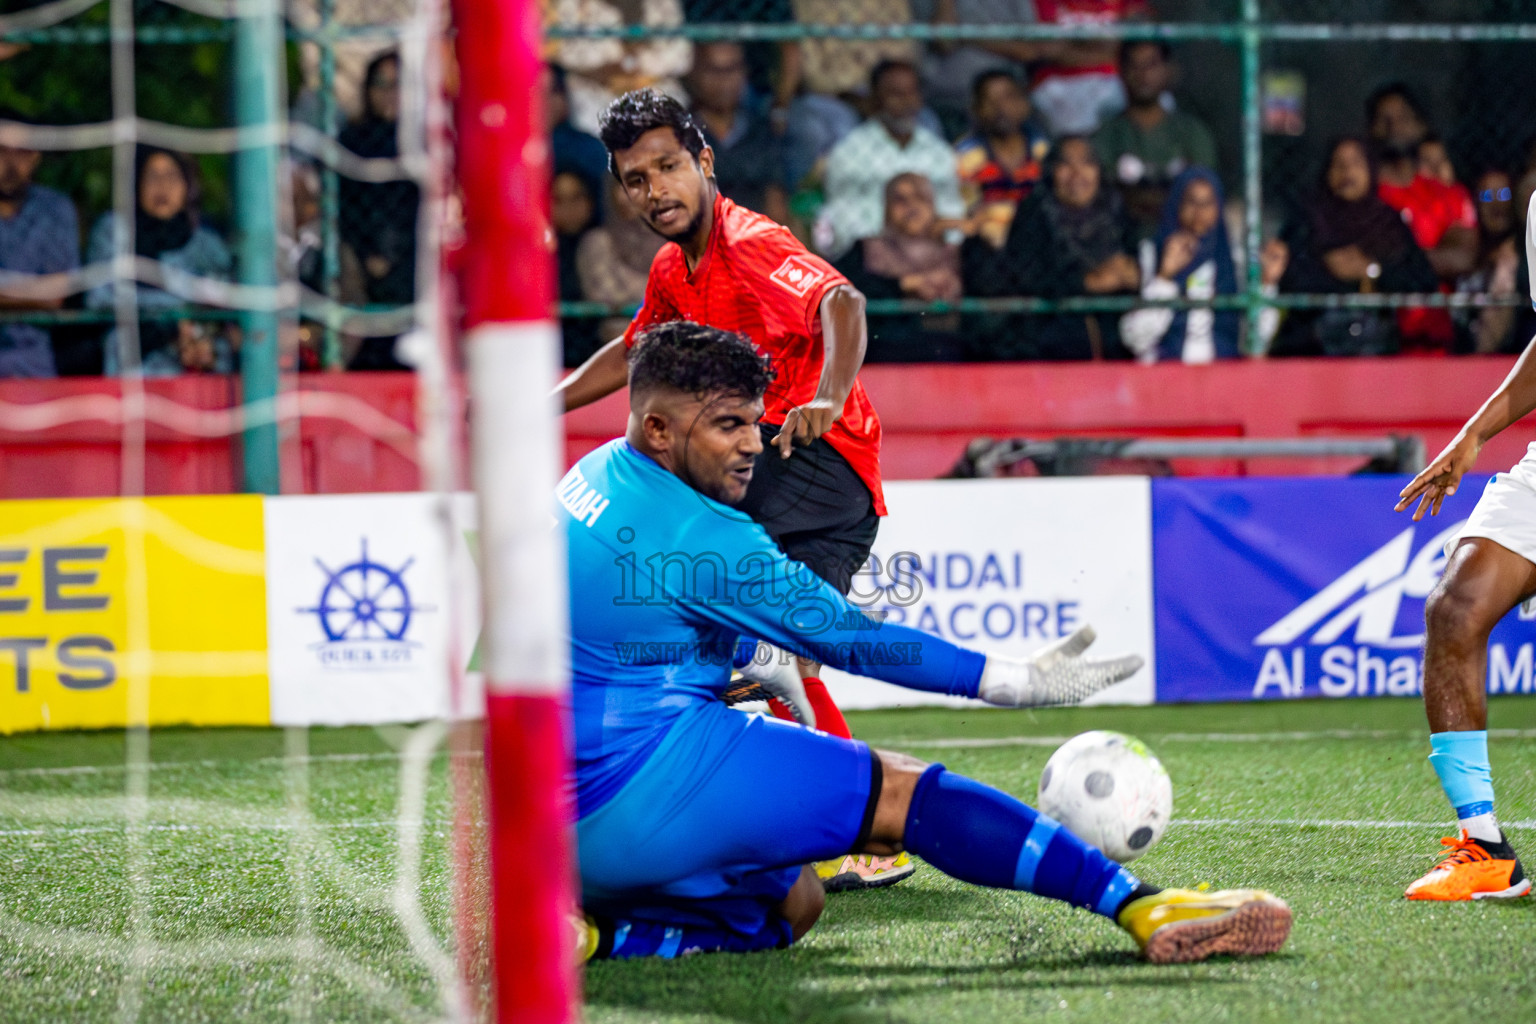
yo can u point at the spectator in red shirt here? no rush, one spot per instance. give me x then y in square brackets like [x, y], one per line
[1441, 217]
[1443, 223]
[1080, 85]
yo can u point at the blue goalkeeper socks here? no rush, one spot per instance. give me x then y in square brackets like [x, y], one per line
[984, 836]
[621, 939]
[1461, 761]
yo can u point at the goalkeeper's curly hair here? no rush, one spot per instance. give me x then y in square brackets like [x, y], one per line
[699, 361]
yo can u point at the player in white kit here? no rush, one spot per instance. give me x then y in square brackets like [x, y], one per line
[1491, 569]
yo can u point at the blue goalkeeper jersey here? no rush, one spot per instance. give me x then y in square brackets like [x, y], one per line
[664, 585]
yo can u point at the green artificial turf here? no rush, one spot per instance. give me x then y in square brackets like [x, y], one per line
[251, 899]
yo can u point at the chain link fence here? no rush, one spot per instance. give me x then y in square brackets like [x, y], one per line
[346, 221]
[1052, 179]
[1005, 179]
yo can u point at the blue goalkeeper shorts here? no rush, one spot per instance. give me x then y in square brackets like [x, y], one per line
[715, 827]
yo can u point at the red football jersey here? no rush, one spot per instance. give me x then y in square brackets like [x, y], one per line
[1429, 207]
[756, 278]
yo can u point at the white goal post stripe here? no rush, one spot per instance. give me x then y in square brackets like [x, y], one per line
[515, 424]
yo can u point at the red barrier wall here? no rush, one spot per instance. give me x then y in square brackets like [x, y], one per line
[357, 431]
[929, 413]
[63, 439]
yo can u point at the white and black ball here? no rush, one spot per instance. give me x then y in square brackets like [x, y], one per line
[1109, 790]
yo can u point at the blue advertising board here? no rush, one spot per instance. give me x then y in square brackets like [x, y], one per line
[1267, 588]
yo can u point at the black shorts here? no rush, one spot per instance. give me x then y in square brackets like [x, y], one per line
[815, 508]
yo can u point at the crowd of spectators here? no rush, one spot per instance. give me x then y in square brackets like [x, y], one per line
[928, 172]
[178, 250]
[1053, 170]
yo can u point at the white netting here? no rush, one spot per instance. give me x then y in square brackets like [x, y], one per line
[283, 869]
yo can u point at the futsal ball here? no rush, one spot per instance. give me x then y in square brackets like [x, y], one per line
[1109, 790]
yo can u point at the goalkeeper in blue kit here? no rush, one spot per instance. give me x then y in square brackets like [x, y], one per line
[696, 822]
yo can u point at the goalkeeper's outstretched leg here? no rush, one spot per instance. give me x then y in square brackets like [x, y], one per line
[702, 870]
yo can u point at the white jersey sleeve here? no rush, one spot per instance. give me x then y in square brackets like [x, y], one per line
[1530, 245]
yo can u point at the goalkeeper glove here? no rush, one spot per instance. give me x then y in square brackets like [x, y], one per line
[777, 674]
[1056, 674]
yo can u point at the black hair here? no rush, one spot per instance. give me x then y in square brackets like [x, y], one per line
[143, 154]
[557, 79]
[1057, 154]
[885, 67]
[1130, 44]
[371, 76]
[1402, 92]
[1340, 141]
[986, 78]
[698, 360]
[643, 110]
[12, 114]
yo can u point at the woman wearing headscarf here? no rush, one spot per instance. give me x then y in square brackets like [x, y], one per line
[1190, 257]
[1497, 271]
[377, 220]
[1348, 241]
[1069, 239]
[909, 259]
[572, 214]
[168, 229]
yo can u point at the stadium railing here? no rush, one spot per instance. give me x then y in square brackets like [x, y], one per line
[1073, 456]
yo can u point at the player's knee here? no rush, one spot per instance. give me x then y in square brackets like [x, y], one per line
[899, 775]
[1457, 616]
[803, 906]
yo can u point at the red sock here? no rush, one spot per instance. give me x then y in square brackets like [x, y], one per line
[828, 718]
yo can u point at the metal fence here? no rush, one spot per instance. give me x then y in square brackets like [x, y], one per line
[286, 137]
[1271, 82]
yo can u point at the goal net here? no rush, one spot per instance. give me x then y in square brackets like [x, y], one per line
[242, 774]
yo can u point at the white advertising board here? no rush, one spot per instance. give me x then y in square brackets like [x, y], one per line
[359, 607]
[1008, 566]
[359, 589]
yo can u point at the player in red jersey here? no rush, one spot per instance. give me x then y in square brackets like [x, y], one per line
[816, 487]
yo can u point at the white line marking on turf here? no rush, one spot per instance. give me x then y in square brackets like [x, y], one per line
[982, 742]
[106, 769]
[939, 743]
[1361, 823]
[260, 826]
[1329, 823]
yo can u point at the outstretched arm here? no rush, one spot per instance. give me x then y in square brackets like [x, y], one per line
[1513, 400]
[772, 598]
[844, 336]
[601, 375]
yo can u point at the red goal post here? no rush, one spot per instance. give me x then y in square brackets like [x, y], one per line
[506, 278]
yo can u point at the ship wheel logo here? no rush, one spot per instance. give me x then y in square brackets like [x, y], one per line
[365, 600]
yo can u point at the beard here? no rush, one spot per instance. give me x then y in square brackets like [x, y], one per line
[899, 126]
[680, 234]
[13, 190]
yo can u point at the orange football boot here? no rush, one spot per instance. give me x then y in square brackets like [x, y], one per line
[1470, 872]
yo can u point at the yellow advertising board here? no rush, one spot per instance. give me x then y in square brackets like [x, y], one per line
[119, 612]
